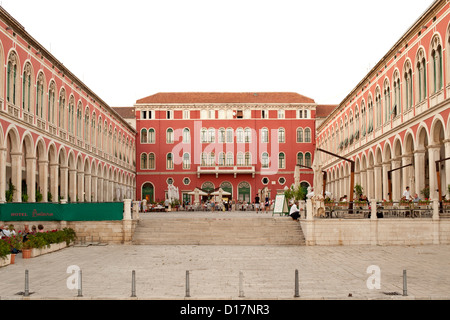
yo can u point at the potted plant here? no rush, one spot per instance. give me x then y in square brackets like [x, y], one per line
[358, 190]
[425, 192]
[15, 245]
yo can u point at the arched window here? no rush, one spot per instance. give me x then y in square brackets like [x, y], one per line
[211, 135]
[248, 159]
[221, 159]
[144, 161]
[308, 159]
[281, 135]
[11, 80]
[265, 160]
[307, 135]
[397, 96]
[86, 127]
[151, 135]
[281, 161]
[239, 135]
[248, 135]
[436, 67]
[387, 102]
[169, 161]
[264, 135]
[230, 159]
[26, 88]
[51, 103]
[151, 161]
[169, 135]
[186, 161]
[62, 110]
[370, 115]
[186, 135]
[211, 159]
[408, 83]
[421, 76]
[144, 137]
[300, 135]
[240, 159]
[204, 135]
[378, 107]
[40, 96]
[221, 137]
[203, 159]
[363, 119]
[79, 121]
[356, 132]
[300, 158]
[229, 135]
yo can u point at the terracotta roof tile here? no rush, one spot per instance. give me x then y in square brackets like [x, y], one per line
[125, 112]
[324, 110]
[225, 97]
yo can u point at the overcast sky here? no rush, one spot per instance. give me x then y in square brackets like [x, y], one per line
[127, 50]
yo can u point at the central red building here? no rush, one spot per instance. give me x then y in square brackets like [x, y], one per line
[244, 143]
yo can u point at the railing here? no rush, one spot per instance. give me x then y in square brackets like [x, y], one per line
[393, 209]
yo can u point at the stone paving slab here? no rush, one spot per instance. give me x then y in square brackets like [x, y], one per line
[268, 272]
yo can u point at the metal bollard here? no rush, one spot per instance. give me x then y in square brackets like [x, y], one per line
[80, 286]
[188, 294]
[296, 294]
[133, 284]
[241, 284]
[405, 292]
[27, 287]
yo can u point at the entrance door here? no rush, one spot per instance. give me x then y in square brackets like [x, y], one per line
[148, 192]
[244, 192]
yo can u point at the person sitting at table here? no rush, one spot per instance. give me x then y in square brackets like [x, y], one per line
[416, 198]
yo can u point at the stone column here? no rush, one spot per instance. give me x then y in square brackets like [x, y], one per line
[447, 168]
[80, 185]
[16, 175]
[3, 181]
[87, 188]
[100, 189]
[64, 187]
[396, 180]
[73, 185]
[378, 183]
[43, 179]
[94, 180]
[386, 168]
[433, 155]
[54, 179]
[408, 174]
[31, 178]
[419, 170]
[370, 184]
[364, 181]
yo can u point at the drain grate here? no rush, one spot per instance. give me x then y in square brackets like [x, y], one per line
[391, 293]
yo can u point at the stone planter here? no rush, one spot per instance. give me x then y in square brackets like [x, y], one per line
[5, 261]
[35, 252]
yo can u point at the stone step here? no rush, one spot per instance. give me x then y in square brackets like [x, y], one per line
[214, 231]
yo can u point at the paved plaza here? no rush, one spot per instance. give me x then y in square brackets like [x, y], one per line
[267, 272]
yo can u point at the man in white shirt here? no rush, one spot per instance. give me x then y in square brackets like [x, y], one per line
[294, 212]
[406, 194]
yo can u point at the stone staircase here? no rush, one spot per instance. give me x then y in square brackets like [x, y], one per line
[218, 231]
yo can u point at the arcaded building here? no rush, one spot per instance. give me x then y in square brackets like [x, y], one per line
[58, 139]
[396, 121]
[246, 143]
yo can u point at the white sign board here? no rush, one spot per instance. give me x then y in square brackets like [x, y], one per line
[280, 205]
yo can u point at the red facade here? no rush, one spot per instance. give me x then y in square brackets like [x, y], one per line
[223, 142]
